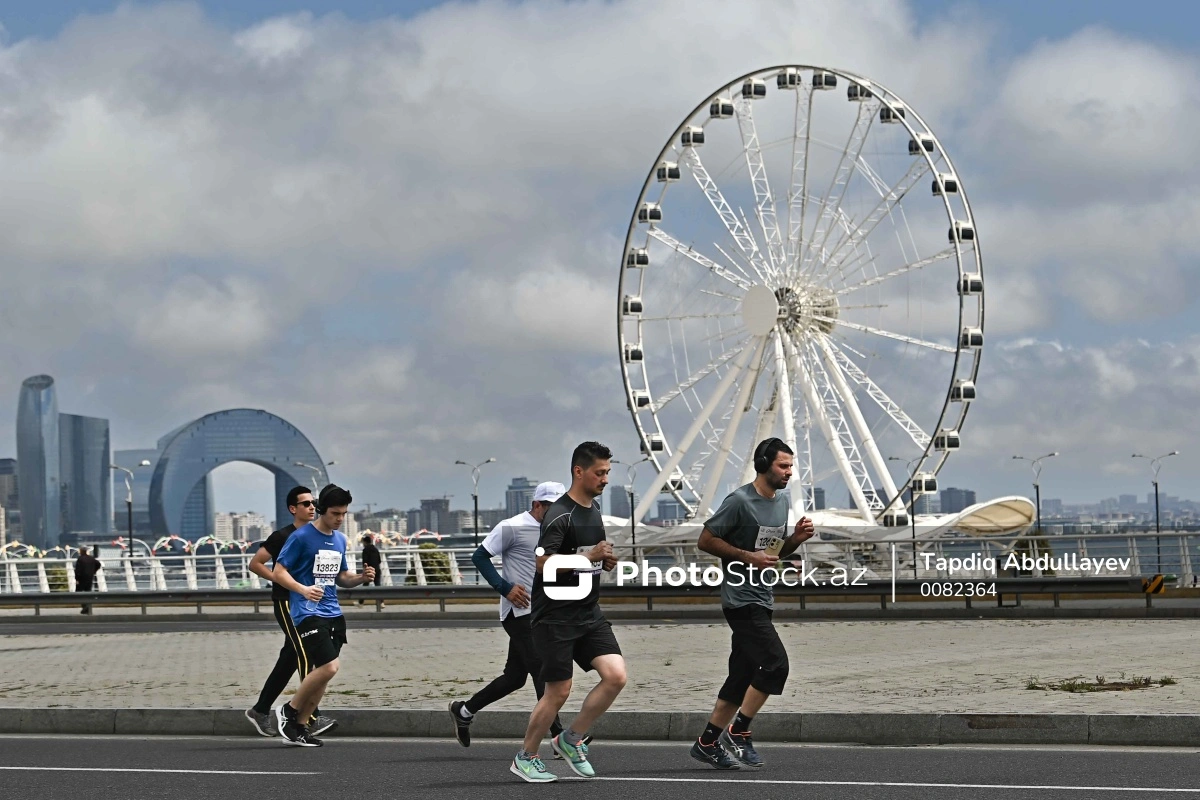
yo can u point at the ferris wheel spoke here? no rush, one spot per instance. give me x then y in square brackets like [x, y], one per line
[740, 403]
[942, 348]
[841, 178]
[741, 236]
[949, 252]
[766, 422]
[807, 377]
[675, 317]
[699, 258]
[697, 376]
[860, 231]
[702, 419]
[799, 183]
[764, 201]
[866, 439]
[889, 406]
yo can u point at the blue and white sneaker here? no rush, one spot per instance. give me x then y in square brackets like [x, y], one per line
[531, 770]
[714, 755]
[741, 747]
[574, 755]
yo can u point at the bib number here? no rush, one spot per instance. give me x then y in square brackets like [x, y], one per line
[766, 533]
[325, 567]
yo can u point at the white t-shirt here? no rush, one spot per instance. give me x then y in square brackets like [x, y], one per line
[515, 540]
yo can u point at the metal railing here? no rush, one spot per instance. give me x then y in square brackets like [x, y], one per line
[1176, 553]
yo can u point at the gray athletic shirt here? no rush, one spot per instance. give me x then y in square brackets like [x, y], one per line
[514, 540]
[747, 520]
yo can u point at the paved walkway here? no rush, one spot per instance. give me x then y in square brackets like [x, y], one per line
[890, 666]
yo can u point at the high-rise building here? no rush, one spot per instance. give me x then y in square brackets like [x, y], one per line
[414, 521]
[670, 510]
[38, 462]
[491, 517]
[518, 496]
[618, 501]
[955, 500]
[85, 484]
[10, 499]
[816, 499]
[435, 512]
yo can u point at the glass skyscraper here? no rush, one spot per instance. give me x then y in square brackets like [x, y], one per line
[84, 482]
[38, 462]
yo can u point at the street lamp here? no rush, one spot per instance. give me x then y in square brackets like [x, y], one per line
[129, 502]
[316, 471]
[631, 477]
[1036, 464]
[912, 515]
[475, 492]
[1156, 465]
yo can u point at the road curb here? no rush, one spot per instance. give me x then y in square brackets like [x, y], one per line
[1166, 730]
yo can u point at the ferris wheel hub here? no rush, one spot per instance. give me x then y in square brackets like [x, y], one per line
[760, 310]
[811, 309]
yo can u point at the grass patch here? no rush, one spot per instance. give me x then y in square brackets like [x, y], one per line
[1079, 685]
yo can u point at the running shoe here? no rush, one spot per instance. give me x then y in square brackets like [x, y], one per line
[574, 755]
[587, 739]
[714, 755]
[300, 737]
[320, 725]
[531, 770]
[462, 727]
[263, 723]
[741, 747]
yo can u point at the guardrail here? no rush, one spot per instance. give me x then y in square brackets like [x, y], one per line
[1175, 553]
[1011, 587]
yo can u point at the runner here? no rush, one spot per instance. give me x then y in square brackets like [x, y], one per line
[569, 626]
[748, 530]
[514, 541]
[300, 504]
[311, 565]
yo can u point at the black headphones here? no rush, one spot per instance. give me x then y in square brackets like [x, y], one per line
[762, 462]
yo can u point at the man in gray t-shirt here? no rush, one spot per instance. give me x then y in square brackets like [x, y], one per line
[749, 534]
[514, 540]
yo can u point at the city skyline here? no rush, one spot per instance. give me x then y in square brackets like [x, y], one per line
[189, 264]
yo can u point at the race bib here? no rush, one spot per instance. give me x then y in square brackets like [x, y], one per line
[325, 567]
[766, 533]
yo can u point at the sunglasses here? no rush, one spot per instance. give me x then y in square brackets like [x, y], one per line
[307, 503]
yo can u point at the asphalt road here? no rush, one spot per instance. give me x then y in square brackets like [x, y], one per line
[49, 768]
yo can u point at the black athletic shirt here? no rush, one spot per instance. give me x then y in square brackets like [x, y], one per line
[569, 528]
[273, 545]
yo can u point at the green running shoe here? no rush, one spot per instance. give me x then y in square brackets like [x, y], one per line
[574, 755]
[532, 770]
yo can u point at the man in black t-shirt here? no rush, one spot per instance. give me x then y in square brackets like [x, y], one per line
[566, 620]
[303, 509]
[86, 567]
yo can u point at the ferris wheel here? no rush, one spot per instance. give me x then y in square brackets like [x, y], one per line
[801, 262]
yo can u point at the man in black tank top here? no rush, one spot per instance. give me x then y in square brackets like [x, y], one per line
[567, 623]
[302, 506]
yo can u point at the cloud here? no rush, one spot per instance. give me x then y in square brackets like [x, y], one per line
[404, 235]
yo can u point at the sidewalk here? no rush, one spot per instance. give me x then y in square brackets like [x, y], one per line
[957, 667]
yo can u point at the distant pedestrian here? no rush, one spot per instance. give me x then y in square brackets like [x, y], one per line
[371, 557]
[86, 567]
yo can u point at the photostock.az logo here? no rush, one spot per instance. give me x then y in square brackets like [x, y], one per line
[582, 566]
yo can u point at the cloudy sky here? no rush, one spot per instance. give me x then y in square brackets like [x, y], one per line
[382, 224]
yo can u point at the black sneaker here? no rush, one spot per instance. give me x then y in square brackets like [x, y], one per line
[741, 747]
[294, 733]
[462, 727]
[714, 755]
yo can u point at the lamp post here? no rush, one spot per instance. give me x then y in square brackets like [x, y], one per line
[912, 516]
[316, 471]
[631, 477]
[1156, 465]
[129, 503]
[1036, 464]
[475, 493]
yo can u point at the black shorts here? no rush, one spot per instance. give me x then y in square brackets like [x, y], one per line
[558, 644]
[757, 656]
[321, 640]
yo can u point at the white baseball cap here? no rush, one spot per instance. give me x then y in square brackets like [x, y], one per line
[548, 492]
